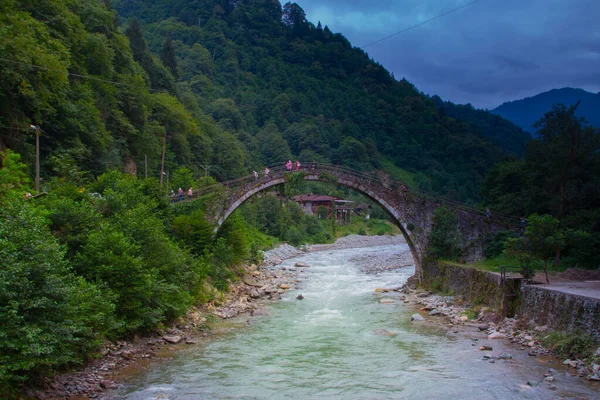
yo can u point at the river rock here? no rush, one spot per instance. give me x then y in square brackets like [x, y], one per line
[284, 286]
[434, 312]
[384, 332]
[485, 348]
[386, 301]
[483, 327]
[505, 356]
[301, 265]
[417, 317]
[496, 335]
[250, 281]
[299, 297]
[172, 339]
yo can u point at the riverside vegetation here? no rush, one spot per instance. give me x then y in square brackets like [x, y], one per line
[237, 86]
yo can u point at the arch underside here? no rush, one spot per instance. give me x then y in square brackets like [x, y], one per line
[365, 190]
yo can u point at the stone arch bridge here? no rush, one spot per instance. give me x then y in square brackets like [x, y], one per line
[411, 210]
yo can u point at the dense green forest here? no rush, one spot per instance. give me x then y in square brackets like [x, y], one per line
[225, 87]
[235, 85]
[559, 177]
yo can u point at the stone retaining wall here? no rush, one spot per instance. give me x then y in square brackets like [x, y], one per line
[475, 286]
[560, 311]
[542, 306]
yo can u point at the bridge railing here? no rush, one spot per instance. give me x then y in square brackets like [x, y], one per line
[338, 170]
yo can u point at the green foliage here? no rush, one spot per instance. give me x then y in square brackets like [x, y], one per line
[494, 245]
[195, 231]
[543, 238]
[13, 173]
[516, 249]
[50, 318]
[445, 240]
[557, 177]
[575, 345]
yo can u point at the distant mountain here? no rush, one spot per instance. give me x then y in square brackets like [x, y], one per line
[496, 129]
[527, 111]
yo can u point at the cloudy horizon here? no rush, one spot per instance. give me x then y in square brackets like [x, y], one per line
[485, 54]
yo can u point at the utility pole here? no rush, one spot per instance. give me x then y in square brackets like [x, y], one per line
[162, 164]
[36, 128]
[146, 166]
[206, 168]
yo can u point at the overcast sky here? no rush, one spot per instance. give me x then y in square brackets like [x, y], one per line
[485, 54]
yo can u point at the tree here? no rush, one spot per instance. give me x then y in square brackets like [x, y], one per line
[445, 239]
[564, 162]
[167, 56]
[50, 317]
[13, 173]
[544, 239]
[295, 18]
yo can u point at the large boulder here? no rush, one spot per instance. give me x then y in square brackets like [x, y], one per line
[301, 265]
[172, 339]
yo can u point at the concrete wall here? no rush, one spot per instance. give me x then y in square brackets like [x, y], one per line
[560, 311]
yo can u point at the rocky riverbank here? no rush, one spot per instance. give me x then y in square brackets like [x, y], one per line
[245, 297]
[457, 316]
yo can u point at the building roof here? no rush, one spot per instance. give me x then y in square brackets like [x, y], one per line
[312, 197]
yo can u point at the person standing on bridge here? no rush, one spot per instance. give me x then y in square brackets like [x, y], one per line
[297, 165]
[180, 194]
[488, 214]
[190, 193]
[255, 175]
[267, 172]
[288, 165]
[173, 196]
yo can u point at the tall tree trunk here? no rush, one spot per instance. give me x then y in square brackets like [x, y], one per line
[557, 258]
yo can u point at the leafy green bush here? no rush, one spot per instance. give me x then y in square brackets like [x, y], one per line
[195, 231]
[577, 344]
[445, 240]
[494, 245]
[50, 318]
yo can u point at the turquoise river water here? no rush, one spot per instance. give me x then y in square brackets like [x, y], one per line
[324, 347]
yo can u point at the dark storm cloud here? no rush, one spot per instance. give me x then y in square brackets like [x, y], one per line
[487, 53]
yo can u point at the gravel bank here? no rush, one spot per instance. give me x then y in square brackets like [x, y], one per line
[368, 264]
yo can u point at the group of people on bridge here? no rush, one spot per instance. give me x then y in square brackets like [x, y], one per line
[289, 166]
[179, 196]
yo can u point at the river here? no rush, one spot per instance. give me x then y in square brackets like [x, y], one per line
[325, 347]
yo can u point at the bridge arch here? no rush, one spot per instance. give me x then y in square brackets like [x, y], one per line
[318, 177]
[408, 208]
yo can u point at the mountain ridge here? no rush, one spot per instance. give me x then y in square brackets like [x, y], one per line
[525, 112]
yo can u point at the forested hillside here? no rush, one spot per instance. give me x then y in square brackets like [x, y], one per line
[287, 88]
[234, 85]
[526, 112]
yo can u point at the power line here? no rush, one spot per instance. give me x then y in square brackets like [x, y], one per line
[421, 23]
[93, 78]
